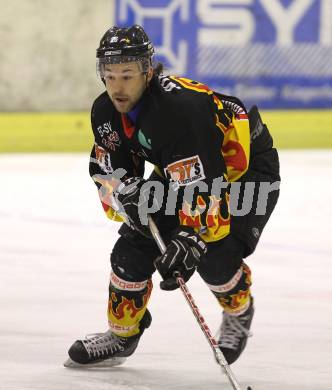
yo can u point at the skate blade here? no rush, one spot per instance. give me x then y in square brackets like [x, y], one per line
[112, 362]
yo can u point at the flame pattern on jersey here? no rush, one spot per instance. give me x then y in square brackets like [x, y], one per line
[235, 296]
[127, 305]
[212, 213]
[233, 121]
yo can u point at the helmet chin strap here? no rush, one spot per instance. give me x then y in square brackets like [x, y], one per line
[146, 80]
[147, 74]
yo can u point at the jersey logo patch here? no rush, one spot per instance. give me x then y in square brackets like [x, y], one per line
[112, 141]
[104, 159]
[146, 142]
[186, 171]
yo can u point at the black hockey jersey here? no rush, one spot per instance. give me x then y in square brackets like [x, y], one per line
[190, 133]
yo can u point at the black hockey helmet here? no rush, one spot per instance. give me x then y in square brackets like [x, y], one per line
[124, 44]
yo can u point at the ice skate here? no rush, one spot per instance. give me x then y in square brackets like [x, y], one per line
[234, 332]
[105, 349]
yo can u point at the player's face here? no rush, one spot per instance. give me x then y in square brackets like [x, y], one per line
[125, 84]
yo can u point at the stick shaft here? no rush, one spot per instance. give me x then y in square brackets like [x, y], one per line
[200, 319]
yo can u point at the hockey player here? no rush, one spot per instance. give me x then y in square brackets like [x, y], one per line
[195, 137]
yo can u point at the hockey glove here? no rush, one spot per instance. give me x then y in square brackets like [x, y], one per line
[128, 198]
[182, 256]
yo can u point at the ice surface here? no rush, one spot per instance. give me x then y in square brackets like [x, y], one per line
[54, 268]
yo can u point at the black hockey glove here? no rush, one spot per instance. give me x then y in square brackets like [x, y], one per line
[182, 255]
[128, 197]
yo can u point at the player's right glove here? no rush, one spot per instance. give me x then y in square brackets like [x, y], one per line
[182, 255]
[128, 197]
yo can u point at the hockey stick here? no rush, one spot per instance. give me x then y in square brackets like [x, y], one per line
[200, 319]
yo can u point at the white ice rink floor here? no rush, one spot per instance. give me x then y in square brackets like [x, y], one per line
[54, 250]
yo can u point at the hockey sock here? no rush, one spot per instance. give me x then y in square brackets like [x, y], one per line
[234, 296]
[127, 305]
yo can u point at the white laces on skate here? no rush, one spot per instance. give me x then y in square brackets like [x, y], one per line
[231, 331]
[100, 344]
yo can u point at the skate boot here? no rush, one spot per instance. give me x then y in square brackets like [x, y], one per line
[234, 332]
[105, 349]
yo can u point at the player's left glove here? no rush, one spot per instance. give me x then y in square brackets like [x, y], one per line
[182, 255]
[129, 200]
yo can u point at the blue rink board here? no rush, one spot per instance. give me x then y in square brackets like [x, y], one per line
[277, 53]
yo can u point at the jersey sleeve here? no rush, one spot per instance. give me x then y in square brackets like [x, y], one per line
[110, 160]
